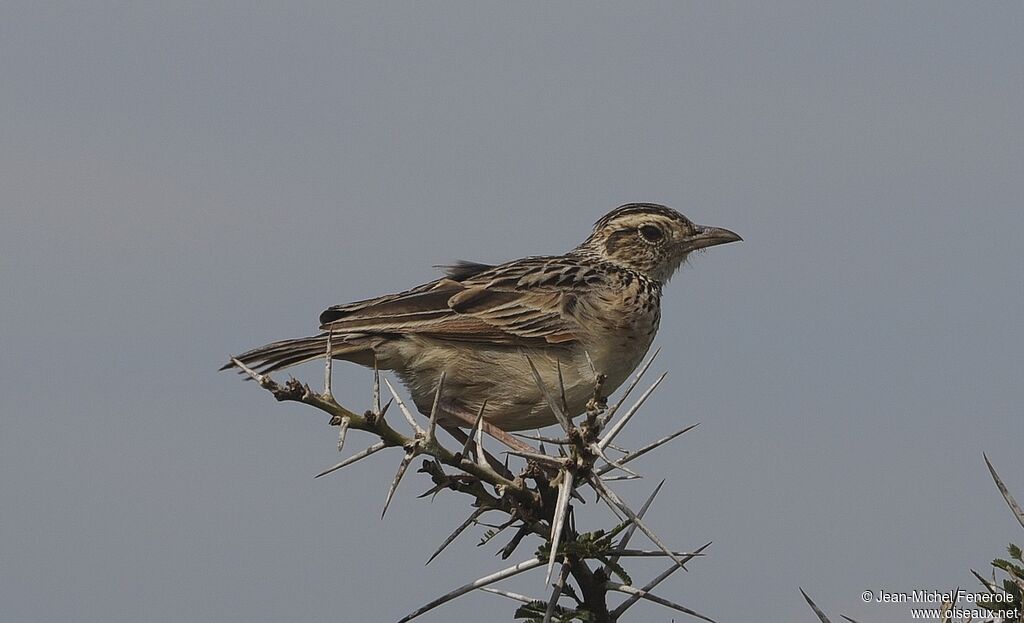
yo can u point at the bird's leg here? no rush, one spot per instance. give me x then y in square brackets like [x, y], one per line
[462, 437]
[506, 438]
[454, 411]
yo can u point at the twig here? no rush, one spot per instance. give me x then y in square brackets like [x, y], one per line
[544, 510]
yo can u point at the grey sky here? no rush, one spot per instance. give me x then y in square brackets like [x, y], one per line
[181, 182]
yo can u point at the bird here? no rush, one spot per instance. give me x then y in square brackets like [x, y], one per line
[592, 311]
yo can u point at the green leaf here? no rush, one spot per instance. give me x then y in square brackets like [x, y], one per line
[534, 612]
[618, 570]
[488, 535]
[567, 589]
[1014, 552]
[1008, 567]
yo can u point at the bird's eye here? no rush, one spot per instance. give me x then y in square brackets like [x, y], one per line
[651, 233]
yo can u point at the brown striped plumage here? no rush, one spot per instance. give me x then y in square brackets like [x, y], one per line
[598, 303]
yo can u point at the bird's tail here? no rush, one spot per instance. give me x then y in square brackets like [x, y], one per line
[286, 353]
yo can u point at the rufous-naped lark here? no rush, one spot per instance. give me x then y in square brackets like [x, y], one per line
[595, 308]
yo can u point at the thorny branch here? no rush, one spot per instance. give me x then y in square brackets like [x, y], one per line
[543, 508]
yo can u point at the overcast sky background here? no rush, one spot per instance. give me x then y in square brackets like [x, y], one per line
[180, 182]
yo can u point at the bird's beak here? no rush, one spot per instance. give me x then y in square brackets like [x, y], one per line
[708, 237]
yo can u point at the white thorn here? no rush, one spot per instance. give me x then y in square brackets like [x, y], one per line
[561, 387]
[352, 459]
[596, 449]
[615, 614]
[643, 594]
[254, 375]
[516, 596]
[471, 438]
[434, 408]
[639, 375]
[824, 619]
[604, 469]
[613, 500]
[558, 519]
[451, 537]
[562, 418]
[646, 553]
[558, 441]
[327, 363]
[556, 591]
[405, 410]
[404, 465]
[481, 456]
[526, 565]
[342, 431]
[540, 458]
[631, 529]
[1017, 512]
[619, 425]
[376, 387]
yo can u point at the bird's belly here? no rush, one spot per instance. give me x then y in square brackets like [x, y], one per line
[618, 332]
[502, 377]
[617, 357]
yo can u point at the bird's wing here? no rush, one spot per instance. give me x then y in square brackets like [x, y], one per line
[522, 303]
[463, 269]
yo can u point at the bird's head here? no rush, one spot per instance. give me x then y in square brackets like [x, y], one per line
[651, 239]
